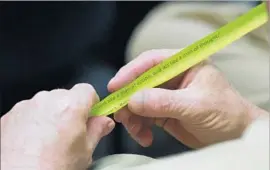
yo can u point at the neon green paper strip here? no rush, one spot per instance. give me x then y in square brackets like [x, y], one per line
[183, 60]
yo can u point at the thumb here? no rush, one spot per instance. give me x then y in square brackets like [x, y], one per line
[98, 127]
[158, 102]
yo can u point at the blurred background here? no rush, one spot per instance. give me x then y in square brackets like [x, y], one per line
[47, 45]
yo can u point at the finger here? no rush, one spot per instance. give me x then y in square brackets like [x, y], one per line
[43, 99]
[144, 137]
[59, 95]
[134, 124]
[174, 128]
[4, 119]
[140, 129]
[98, 127]
[41, 95]
[21, 105]
[84, 96]
[131, 122]
[122, 116]
[163, 103]
[132, 70]
[161, 122]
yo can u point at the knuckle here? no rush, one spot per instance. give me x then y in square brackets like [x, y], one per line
[149, 53]
[71, 105]
[135, 72]
[59, 91]
[166, 103]
[88, 88]
[4, 119]
[41, 94]
[166, 106]
[59, 96]
[84, 96]
[74, 105]
[83, 85]
[145, 53]
[21, 104]
[90, 93]
[157, 52]
[117, 117]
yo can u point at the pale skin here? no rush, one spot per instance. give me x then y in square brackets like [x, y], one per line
[53, 129]
[198, 107]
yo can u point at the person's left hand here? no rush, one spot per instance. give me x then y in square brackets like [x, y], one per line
[52, 131]
[198, 107]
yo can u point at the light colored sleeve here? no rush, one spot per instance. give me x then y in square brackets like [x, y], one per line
[251, 152]
[174, 25]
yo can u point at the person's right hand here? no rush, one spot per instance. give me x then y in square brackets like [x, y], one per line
[53, 130]
[199, 107]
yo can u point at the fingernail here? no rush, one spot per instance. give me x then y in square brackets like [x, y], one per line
[139, 141]
[136, 101]
[111, 81]
[135, 137]
[132, 127]
[137, 98]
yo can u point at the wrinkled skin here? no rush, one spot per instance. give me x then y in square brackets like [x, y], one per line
[52, 131]
[198, 107]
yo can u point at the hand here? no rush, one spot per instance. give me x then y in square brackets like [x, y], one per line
[52, 131]
[199, 107]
